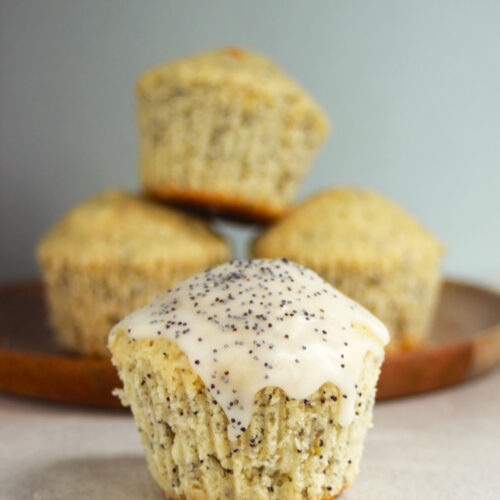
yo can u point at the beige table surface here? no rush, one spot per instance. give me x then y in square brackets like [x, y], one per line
[444, 445]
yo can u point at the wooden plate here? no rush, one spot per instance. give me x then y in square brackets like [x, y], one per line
[465, 342]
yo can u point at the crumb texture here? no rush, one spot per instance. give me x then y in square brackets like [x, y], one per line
[113, 254]
[368, 248]
[249, 324]
[226, 128]
[292, 449]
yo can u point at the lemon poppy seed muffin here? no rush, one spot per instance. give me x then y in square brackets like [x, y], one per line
[252, 381]
[226, 130]
[371, 250]
[111, 255]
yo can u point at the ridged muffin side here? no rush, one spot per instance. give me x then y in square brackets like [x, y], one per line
[371, 250]
[226, 130]
[112, 254]
[292, 449]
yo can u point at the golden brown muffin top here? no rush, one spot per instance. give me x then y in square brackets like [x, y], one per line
[116, 227]
[353, 228]
[239, 72]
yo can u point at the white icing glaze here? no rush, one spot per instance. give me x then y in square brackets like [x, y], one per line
[246, 325]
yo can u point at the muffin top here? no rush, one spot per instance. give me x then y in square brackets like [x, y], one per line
[354, 228]
[251, 76]
[118, 227]
[246, 325]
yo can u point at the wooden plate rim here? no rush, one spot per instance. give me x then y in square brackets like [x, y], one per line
[465, 358]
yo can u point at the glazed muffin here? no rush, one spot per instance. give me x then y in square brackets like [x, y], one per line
[254, 380]
[371, 250]
[111, 255]
[226, 130]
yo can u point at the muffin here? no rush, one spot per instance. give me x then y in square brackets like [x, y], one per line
[228, 131]
[371, 250]
[111, 255]
[254, 380]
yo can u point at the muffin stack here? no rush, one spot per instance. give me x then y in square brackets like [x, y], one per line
[255, 379]
[229, 133]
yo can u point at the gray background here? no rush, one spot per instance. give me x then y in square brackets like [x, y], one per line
[412, 88]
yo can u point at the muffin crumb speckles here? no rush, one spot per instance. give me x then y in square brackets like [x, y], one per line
[290, 449]
[263, 323]
[368, 248]
[112, 254]
[228, 131]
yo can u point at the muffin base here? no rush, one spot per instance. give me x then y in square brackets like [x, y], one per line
[404, 301]
[206, 498]
[292, 449]
[84, 304]
[226, 204]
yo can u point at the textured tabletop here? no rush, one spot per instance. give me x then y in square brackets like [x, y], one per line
[444, 445]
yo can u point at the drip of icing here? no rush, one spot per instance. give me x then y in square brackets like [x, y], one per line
[246, 325]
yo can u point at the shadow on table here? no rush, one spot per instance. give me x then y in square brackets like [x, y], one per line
[112, 478]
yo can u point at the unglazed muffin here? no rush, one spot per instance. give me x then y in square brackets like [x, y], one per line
[111, 255]
[252, 381]
[371, 250]
[226, 130]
